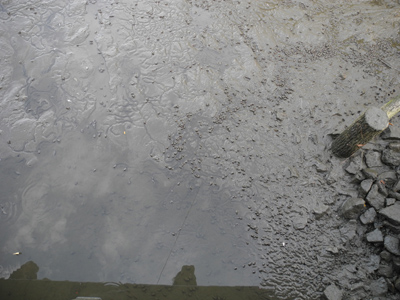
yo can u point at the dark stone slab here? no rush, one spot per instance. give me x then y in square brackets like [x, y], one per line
[365, 186]
[368, 216]
[373, 159]
[391, 133]
[391, 157]
[392, 244]
[375, 236]
[370, 173]
[375, 199]
[352, 208]
[392, 213]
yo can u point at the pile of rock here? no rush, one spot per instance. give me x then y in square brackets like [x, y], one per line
[376, 170]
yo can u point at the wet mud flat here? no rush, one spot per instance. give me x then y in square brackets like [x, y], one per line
[141, 136]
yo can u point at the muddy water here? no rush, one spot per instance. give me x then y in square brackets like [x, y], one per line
[140, 136]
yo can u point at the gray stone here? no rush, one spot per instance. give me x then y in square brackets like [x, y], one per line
[375, 236]
[353, 168]
[396, 263]
[390, 201]
[392, 244]
[392, 213]
[397, 284]
[368, 217]
[332, 292]
[373, 159]
[370, 173]
[320, 209]
[386, 256]
[365, 186]
[394, 195]
[391, 133]
[385, 270]
[391, 157]
[389, 177]
[395, 146]
[396, 186]
[373, 263]
[352, 208]
[375, 199]
[379, 287]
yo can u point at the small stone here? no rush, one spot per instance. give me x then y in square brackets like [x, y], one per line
[391, 133]
[395, 146]
[374, 198]
[365, 186]
[379, 287]
[373, 159]
[397, 284]
[396, 186]
[320, 209]
[352, 208]
[385, 270]
[396, 263]
[386, 256]
[392, 244]
[352, 168]
[368, 217]
[332, 292]
[373, 264]
[390, 201]
[392, 213]
[389, 177]
[375, 236]
[370, 173]
[391, 157]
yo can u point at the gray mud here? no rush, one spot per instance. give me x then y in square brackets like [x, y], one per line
[140, 136]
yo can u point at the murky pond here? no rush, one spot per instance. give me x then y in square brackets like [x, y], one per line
[140, 136]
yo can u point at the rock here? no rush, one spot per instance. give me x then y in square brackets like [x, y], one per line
[386, 256]
[396, 263]
[391, 157]
[390, 201]
[396, 186]
[379, 287]
[395, 146]
[393, 228]
[370, 173]
[394, 195]
[375, 236]
[368, 217]
[397, 284]
[320, 209]
[373, 159]
[365, 186]
[391, 244]
[375, 199]
[352, 208]
[391, 133]
[385, 270]
[348, 231]
[389, 177]
[373, 264]
[392, 213]
[355, 165]
[332, 292]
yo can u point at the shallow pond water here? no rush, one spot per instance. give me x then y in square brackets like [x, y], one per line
[140, 136]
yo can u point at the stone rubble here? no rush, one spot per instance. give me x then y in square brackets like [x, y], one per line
[376, 171]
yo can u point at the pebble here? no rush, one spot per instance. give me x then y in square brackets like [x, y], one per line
[392, 213]
[352, 208]
[332, 292]
[375, 236]
[375, 199]
[391, 157]
[365, 186]
[373, 159]
[379, 287]
[391, 244]
[368, 217]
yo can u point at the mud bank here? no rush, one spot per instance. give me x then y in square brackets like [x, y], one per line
[147, 135]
